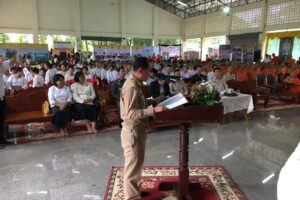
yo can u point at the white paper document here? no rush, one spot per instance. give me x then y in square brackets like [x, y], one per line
[174, 101]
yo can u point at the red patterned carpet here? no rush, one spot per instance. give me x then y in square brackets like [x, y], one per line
[216, 183]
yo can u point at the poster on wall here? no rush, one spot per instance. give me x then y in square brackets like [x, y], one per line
[99, 51]
[38, 52]
[6, 50]
[148, 51]
[170, 51]
[62, 49]
[41, 53]
[115, 50]
[248, 53]
[237, 53]
[109, 51]
[190, 55]
[224, 52]
[125, 51]
[137, 51]
[286, 47]
[213, 52]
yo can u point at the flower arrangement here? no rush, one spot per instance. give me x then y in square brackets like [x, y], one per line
[230, 93]
[205, 94]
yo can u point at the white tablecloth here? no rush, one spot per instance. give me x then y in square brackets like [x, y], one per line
[240, 102]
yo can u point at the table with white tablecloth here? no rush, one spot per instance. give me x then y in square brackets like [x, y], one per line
[237, 103]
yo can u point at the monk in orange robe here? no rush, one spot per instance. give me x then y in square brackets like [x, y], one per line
[242, 74]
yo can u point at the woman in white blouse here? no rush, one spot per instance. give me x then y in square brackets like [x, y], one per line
[51, 71]
[70, 73]
[84, 96]
[38, 80]
[60, 98]
[17, 81]
[86, 73]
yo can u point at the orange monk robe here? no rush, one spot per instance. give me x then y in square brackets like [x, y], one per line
[243, 75]
[265, 71]
[209, 69]
[274, 71]
[294, 80]
[234, 70]
[253, 74]
[224, 70]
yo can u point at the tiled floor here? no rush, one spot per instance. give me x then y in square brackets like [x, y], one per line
[78, 167]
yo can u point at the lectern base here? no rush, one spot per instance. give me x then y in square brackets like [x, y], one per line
[167, 186]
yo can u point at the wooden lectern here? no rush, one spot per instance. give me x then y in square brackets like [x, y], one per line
[184, 116]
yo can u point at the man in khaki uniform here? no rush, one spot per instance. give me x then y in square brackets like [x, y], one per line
[135, 115]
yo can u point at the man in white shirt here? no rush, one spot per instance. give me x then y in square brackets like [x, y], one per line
[111, 74]
[267, 59]
[185, 73]
[4, 66]
[93, 70]
[98, 70]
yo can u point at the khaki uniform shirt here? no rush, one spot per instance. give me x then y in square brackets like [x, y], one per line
[133, 105]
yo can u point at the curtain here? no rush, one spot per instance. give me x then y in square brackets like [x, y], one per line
[296, 48]
[273, 46]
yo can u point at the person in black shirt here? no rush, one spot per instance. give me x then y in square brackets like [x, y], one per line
[117, 86]
[282, 75]
[160, 87]
[199, 76]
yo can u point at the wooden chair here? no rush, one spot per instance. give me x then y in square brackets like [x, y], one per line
[250, 87]
[290, 90]
[26, 107]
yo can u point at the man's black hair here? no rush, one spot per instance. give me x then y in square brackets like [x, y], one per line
[216, 68]
[35, 70]
[140, 62]
[119, 69]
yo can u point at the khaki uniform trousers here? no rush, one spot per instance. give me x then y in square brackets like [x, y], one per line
[134, 144]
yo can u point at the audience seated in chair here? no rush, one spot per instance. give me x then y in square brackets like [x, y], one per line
[51, 71]
[117, 86]
[199, 76]
[111, 74]
[152, 77]
[87, 74]
[69, 76]
[160, 87]
[219, 84]
[242, 74]
[17, 81]
[60, 99]
[177, 85]
[293, 78]
[84, 96]
[185, 73]
[282, 75]
[38, 80]
[229, 75]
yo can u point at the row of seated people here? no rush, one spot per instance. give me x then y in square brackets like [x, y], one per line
[77, 102]
[42, 75]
